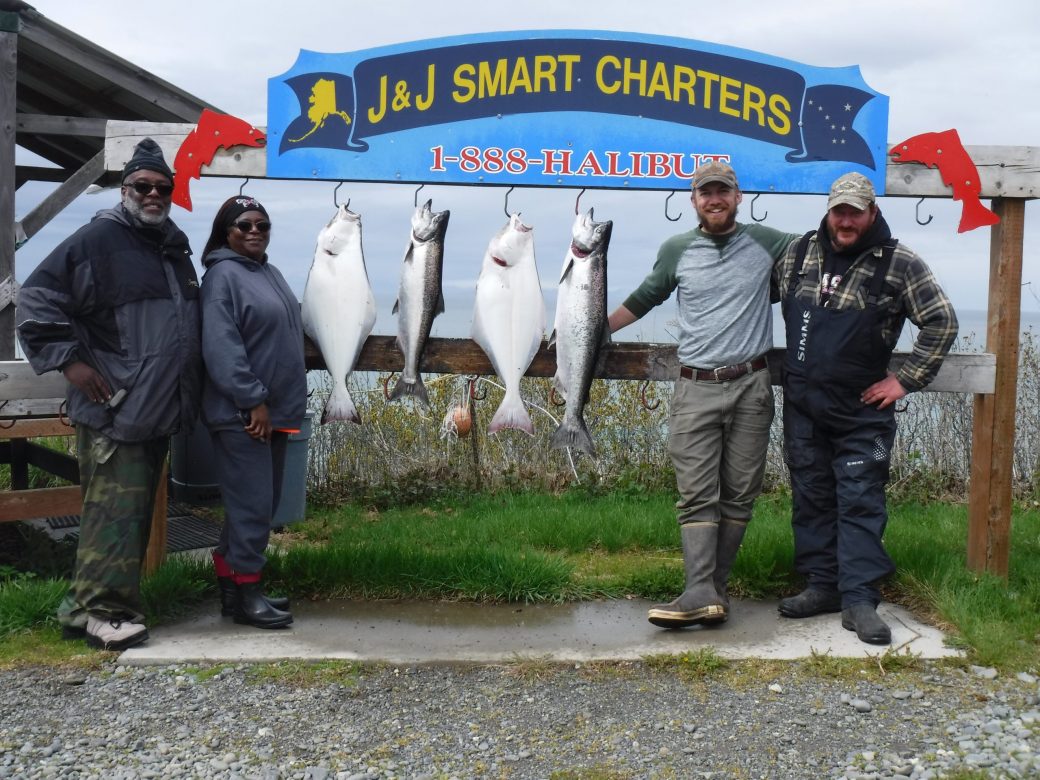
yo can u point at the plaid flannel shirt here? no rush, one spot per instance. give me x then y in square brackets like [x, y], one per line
[910, 292]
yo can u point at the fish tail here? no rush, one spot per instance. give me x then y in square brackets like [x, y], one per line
[974, 214]
[340, 406]
[573, 434]
[414, 388]
[511, 414]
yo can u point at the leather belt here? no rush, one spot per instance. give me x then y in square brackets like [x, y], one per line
[723, 373]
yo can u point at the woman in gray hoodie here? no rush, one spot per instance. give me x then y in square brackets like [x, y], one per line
[254, 396]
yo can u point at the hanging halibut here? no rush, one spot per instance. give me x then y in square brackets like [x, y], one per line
[509, 317]
[339, 309]
[581, 326]
[419, 299]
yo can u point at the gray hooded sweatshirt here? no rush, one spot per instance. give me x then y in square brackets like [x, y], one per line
[252, 343]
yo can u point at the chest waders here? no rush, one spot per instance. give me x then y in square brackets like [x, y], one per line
[835, 446]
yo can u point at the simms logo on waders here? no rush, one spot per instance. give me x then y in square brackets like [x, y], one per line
[803, 335]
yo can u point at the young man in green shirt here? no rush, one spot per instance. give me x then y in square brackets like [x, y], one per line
[723, 404]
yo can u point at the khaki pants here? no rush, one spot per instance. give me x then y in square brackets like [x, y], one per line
[718, 436]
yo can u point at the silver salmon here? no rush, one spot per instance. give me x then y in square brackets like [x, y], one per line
[338, 307]
[581, 326]
[509, 317]
[419, 298]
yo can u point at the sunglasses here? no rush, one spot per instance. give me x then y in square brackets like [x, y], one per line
[143, 188]
[245, 226]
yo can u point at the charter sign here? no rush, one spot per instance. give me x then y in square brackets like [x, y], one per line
[573, 108]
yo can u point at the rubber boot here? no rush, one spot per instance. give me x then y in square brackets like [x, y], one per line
[699, 603]
[252, 609]
[731, 534]
[228, 591]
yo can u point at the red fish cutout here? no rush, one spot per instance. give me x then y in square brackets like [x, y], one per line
[212, 132]
[945, 152]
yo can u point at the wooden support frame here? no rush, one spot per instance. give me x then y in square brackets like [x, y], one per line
[993, 432]
[10, 24]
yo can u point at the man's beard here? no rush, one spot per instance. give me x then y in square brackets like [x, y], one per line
[137, 211]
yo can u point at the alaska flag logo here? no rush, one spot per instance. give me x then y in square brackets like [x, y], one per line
[327, 108]
[827, 135]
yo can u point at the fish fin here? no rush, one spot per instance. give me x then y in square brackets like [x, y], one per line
[511, 414]
[605, 336]
[573, 435]
[397, 305]
[974, 214]
[440, 304]
[558, 384]
[567, 266]
[414, 389]
[340, 406]
[552, 340]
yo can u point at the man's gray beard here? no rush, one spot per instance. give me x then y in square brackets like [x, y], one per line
[137, 212]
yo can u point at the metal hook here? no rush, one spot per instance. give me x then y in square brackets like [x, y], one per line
[642, 396]
[11, 425]
[506, 206]
[473, 389]
[577, 200]
[335, 200]
[917, 213]
[678, 216]
[757, 219]
[553, 398]
[415, 200]
[240, 189]
[386, 384]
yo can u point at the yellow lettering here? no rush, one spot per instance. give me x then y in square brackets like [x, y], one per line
[780, 108]
[685, 78]
[521, 76]
[568, 60]
[754, 100]
[604, 87]
[464, 78]
[375, 116]
[707, 78]
[544, 70]
[727, 95]
[492, 84]
[638, 75]
[659, 82]
[423, 102]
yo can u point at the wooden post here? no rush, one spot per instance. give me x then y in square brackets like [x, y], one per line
[10, 24]
[993, 427]
[156, 552]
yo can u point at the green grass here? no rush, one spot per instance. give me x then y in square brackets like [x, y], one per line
[537, 547]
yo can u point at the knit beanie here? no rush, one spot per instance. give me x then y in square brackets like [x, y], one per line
[147, 156]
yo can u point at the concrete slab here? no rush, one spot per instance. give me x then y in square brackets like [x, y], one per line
[402, 632]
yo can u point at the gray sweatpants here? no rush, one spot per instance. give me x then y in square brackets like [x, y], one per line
[718, 433]
[250, 475]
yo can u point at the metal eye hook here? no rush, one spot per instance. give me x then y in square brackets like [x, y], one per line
[678, 216]
[917, 213]
[577, 200]
[506, 206]
[642, 396]
[763, 217]
[386, 384]
[473, 394]
[335, 199]
[242, 188]
[415, 200]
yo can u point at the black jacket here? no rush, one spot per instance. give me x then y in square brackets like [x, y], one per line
[124, 299]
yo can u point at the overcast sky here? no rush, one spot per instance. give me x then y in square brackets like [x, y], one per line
[944, 64]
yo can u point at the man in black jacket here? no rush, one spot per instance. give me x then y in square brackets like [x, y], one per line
[115, 308]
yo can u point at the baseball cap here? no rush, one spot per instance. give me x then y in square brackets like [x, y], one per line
[853, 189]
[714, 171]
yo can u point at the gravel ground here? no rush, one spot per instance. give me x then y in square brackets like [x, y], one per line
[527, 720]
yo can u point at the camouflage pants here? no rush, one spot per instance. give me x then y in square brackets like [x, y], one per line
[119, 483]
